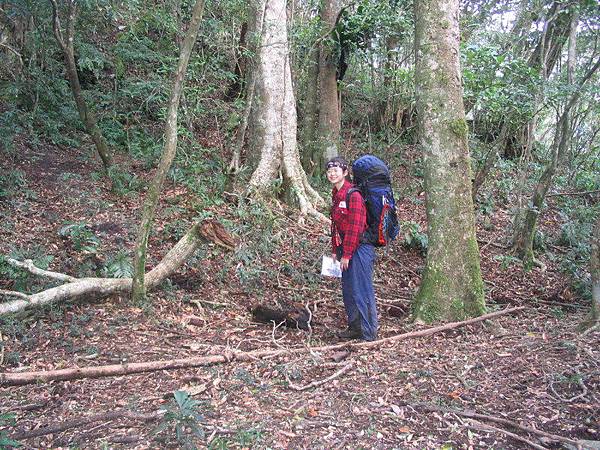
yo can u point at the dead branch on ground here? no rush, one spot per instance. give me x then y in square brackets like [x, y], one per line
[543, 436]
[66, 425]
[91, 288]
[337, 374]
[23, 378]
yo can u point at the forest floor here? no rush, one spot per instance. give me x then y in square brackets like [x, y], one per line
[530, 368]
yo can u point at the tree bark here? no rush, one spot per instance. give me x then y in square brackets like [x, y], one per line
[310, 114]
[452, 286]
[595, 271]
[490, 159]
[24, 378]
[138, 291]
[92, 288]
[329, 108]
[275, 130]
[87, 116]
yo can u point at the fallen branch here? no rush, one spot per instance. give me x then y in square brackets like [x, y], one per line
[31, 268]
[339, 373]
[472, 415]
[92, 288]
[488, 428]
[19, 379]
[62, 426]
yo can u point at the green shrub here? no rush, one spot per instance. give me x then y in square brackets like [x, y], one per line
[414, 237]
[82, 238]
[182, 417]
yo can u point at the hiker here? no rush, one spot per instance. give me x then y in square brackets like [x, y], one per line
[348, 222]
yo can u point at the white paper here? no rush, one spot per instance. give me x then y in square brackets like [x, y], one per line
[331, 267]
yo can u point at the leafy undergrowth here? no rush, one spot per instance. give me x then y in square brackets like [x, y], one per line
[531, 367]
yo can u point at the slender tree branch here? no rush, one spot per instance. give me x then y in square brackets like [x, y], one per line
[31, 268]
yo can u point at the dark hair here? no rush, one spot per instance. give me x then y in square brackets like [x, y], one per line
[338, 161]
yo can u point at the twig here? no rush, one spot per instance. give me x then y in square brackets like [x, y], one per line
[484, 427]
[59, 427]
[339, 373]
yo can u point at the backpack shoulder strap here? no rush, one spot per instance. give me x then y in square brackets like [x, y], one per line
[350, 192]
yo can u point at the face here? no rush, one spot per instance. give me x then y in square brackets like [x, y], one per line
[336, 175]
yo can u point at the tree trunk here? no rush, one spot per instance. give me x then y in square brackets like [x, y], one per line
[87, 116]
[544, 56]
[526, 220]
[490, 159]
[595, 271]
[452, 286]
[149, 208]
[329, 109]
[92, 288]
[311, 157]
[239, 71]
[275, 114]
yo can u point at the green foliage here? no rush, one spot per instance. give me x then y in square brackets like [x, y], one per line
[11, 183]
[504, 85]
[182, 416]
[119, 265]
[507, 261]
[241, 439]
[414, 237]
[81, 236]
[123, 182]
[7, 419]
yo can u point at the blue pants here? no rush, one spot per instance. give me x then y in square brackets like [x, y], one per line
[358, 292]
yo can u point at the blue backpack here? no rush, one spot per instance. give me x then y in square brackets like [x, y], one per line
[372, 178]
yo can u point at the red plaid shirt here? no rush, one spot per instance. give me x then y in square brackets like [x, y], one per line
[348, 222]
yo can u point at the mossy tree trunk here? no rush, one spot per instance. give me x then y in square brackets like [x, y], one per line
[452, 286]
[87, 116]
[329, 108]
[275, 121]
[138, 291]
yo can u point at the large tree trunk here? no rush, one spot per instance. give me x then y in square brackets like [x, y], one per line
[275, 114]
[138, 292]
[595, 271]
[311, 157]
[452, 286]
[92, 288]
[87, 116]
[329, 108]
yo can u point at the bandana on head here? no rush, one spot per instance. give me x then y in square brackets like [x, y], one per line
[332, 164]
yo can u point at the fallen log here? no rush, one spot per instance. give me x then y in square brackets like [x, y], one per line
[23, 378]
[93, 288]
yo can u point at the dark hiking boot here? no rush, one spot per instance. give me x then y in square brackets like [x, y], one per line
[352, 332]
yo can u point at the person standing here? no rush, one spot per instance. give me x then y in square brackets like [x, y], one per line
[348, 223]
